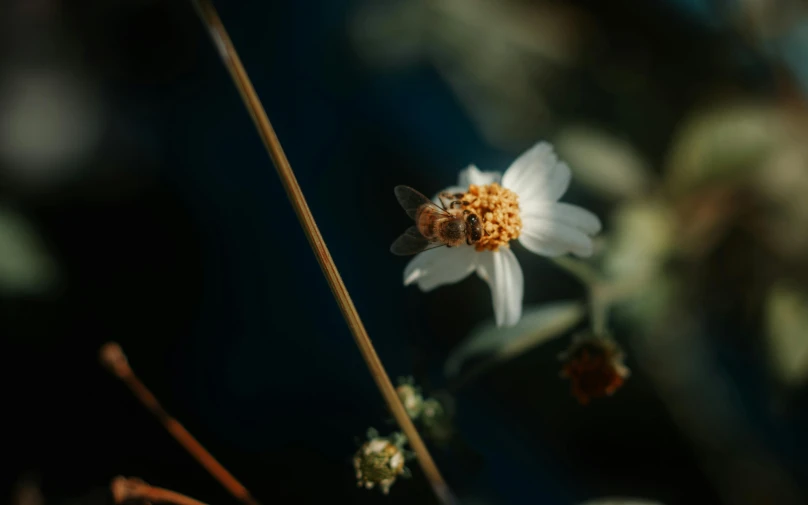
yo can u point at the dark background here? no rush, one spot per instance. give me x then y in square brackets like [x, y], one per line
[172, 236]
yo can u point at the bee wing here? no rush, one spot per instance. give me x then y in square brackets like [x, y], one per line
[412, 242]
[412, 200]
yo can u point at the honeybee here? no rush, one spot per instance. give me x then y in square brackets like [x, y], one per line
[435, 226]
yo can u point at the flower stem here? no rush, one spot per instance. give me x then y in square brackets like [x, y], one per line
[589, 277]
[584, 272]
[599, 310]
[136, 491]
[231, 60]
[112, 357]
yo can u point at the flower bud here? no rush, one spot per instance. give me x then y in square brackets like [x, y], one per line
[594, 366]
[380, 461]
[410, 396]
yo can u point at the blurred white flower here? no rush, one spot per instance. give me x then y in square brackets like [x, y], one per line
[526, 207]
[605, 164]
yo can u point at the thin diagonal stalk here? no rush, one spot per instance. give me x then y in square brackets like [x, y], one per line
[231, 60]
[590, 278]
[112, 357]
[136, 491]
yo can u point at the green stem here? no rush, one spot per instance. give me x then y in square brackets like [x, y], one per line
[582, 271]
[589, 277]
[599, 310]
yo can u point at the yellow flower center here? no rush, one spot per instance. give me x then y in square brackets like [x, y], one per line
[498, 208]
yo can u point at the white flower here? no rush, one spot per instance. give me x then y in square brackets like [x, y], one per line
[548, 228]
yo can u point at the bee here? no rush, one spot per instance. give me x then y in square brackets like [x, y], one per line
[435, 225]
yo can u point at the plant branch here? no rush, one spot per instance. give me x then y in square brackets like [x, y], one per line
[596, 288]
[231, 60]
[113, 358]
[582, 271]
[135, 491]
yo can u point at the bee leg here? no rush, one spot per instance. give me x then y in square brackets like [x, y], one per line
[454, 200]
[444, 197]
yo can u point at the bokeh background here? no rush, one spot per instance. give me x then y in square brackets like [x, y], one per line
[137, 204]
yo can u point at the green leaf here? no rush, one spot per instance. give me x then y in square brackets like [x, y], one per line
[606, 165]
[537, 325]
[643, 237]
[721, 143]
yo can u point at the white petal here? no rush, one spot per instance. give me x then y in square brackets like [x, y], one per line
[549, 237]
[439, 266]
[473, 175]
[503, 274]
[537, 175]
[564, 213]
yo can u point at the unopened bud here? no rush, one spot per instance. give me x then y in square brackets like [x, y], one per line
[594, 366]
[380, 461]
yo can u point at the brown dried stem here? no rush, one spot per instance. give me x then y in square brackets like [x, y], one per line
[113, 358]
[229, 56]
[136, 492]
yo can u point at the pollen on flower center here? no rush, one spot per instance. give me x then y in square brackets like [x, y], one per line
[498, 208]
